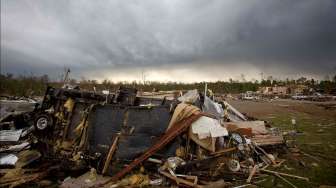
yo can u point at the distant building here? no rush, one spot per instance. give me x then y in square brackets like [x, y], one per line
[284, 90]
[299, 89]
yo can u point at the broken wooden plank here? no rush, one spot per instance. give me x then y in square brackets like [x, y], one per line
[253, 171]
[110, 154]
[179, 180]
[224, 151]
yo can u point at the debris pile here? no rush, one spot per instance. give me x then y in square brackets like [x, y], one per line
[88, 139]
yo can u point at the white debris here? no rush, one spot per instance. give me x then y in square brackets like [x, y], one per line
[208, 127]
[9, 159]
[10, 135]
[190, 97]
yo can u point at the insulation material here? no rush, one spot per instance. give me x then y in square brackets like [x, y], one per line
[69, 104]
[182, 111]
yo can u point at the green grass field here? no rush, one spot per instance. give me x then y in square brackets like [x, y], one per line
[316, 143]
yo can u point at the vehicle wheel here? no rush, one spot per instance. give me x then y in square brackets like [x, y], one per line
[233, 165]
[43, 122]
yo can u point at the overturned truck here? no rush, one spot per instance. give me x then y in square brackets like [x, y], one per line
[192, 140]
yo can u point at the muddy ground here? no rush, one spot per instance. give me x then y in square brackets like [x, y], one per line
[317, 140]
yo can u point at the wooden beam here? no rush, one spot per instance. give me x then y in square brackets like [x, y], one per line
[110, 154]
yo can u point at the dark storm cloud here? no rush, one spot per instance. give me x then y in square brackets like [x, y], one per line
[169, 39]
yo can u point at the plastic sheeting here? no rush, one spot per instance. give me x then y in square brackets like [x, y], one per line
[212, 107]
[190, 97]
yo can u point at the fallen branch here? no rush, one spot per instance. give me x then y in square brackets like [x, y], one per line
[285, 180]
[311, 156]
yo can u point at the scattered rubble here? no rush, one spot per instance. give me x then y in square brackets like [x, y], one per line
[86, 139]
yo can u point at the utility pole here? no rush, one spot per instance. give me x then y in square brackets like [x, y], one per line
[143, 75]
[66, 75]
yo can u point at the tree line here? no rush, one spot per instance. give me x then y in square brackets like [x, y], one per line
[36, 85]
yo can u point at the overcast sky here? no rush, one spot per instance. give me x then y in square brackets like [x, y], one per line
[169, 40]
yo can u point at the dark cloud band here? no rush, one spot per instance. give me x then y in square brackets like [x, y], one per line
[106, 38]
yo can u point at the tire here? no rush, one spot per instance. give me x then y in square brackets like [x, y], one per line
[43, 122]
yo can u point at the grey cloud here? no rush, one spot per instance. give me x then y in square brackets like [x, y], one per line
[278, 37]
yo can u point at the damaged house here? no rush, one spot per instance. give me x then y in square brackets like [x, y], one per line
[123, 139]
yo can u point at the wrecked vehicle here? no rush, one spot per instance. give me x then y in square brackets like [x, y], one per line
[123, 139]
